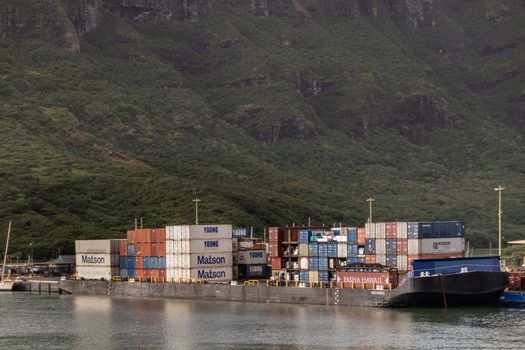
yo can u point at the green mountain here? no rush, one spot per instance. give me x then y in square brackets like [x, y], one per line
[272, 111]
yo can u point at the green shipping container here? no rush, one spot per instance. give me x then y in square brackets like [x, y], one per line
[303, 249]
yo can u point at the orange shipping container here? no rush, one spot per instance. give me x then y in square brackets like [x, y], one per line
[361, 235]
[138, 263]
[161, 235]
[139, 273]
[402, 246]
[123, 248]
[275, 263]
[391, 230]
[370, 259]
[161, 248]
[146, 249]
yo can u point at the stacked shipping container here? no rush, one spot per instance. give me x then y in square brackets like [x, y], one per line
[199, 252]
[97, 259]
[251, 259]
[145, 257]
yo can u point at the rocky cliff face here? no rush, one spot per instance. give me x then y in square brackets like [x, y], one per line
[145, 10]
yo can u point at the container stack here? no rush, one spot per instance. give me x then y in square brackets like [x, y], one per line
[396, 244]
[199, 252]
[127, 259]
[148, 248]
[251, 259]
[97, 259]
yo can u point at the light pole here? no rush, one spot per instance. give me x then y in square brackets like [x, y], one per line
[196, 200]
[500, 190]
[31, 255]
[370, 200]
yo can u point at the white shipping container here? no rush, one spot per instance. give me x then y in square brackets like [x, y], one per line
[303, 263]
[402, 229]
[402, 262]
[342, 250]
[442, 245]
[381, 246]
[341, 238]
[211, 260]
[103, 260]
[245, 244]
[380, 230]
[252, 257]
[209, 245]
[414, 246]
[210, 231]
[98, 246]
[97, 272]
[381, 259]
[222, 274]
[370, 231]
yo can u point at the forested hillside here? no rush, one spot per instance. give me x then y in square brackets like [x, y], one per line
[272, 111]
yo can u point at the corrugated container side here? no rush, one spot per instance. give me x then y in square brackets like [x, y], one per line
[313, 276]
[361, 235]
[402, 262]
[413, 230]
[391, 246]
[275, 263]
[391, 230]
[252, 257]
[303, 263]
[303, 249]
[342, 250]
[381, 246]
[380, 229]
[313, 249]
[370, 246]
[123, 248]
[370, 259]
[381, 259]
[370, 231]
[313, 264]
[402, 230]
[442, 245]
[414, 246]
[216, 274]
[402, 246]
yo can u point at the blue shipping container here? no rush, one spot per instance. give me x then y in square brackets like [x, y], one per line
[303, 276]
[123, 262]
[445, 266]
[370, 246]
[131, 273]
[304, 236]
[441, 229]
[153, 262]
[351, 260]
[130, 262]
[323, 264]
[323, 250]
[162, 262]
[413, 230]
[361, 259]
[313, 249]
[124, 273]
[323, 276]
[352, 249]
[145, 262]
[241, 232]
[352, 235]
[391, 260]
[131, 249]
[332, 250]
[313, 264]
[391, 246]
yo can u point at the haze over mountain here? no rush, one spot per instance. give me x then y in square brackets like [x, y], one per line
[273, 111]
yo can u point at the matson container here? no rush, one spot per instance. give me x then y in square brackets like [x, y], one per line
[252, 257]
[98, 246]
[96, 260]
[210, 260]
[367, 279]
[220, 274]
[442, 245]
[97, 272]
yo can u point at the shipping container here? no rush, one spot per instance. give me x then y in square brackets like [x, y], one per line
[401, 230]
[413, 230]
[402, 246]
[186, 232]
[368, 280]
[332, 250]
[304, 276]
[303, 249]
[252, 257]
[380, 246]
[391, 230]
[442, 245]
[391, 246]
[275, 263]
[381, 259]
[449, 266]
[361, 259]
[352, 234]
[402, 262]
[351, 260]
[123, 248]
[303, 263]
[273, 234]
[370, 259]
[441, 229]
[97, 272]
[212, 274]
[391, 260]
[304, 236]
[352, 249]
[370, 246]
[323, 264]
[370, 231]
[241, 232]
[224, 245]
[380, 230]
[361, 235]
[323, 276]
[98, 246]
[342, 250]
[313, 249]
[313, 264]
[313, 276]
[274, 249]
[210, 260]
[254, 271]
[88, 259]
[414, 246]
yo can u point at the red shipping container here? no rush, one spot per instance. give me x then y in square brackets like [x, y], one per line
[161, 249]
[402, 246]
[370, 280]
[153, 249]
[139, 273]
[123, 247]
[273, 233]
[274, 249]
[275, 263]
[161, 235]
[146, 249]
[361, 235]
[370, 259]
[391, 230]
[138, 262]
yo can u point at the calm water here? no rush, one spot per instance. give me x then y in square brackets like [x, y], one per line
[68, 322]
